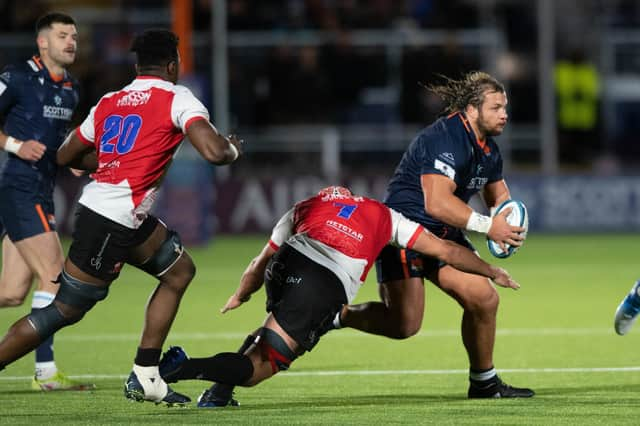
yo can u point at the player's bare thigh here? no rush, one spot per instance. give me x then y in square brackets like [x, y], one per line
[43, 254]
[405, 302]
[16, 276]
[469, 290]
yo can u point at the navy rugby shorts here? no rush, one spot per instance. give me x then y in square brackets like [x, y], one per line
[25, 213]
[302, 295]
[396, 263]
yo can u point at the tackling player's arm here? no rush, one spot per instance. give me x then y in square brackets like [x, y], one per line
[461, 258]
[441, 203]
[214, 147]
[253, 276]
[77, 154]
[252, 279]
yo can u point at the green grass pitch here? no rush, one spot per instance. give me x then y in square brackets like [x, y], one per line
[555, 335]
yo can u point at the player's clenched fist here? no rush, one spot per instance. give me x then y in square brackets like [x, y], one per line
[31, 150]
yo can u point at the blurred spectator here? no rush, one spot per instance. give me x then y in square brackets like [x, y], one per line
[577, 86]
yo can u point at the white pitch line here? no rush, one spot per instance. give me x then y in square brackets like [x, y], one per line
[516, 332]
[380, 372]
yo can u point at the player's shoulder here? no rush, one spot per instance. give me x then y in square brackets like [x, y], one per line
[435, 130]
[431, 139]
[13, 73]
[372, 204]
[182, 91]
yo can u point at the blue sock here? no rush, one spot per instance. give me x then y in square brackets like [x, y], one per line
[44, 352]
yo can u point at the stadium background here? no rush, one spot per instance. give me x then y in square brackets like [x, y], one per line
[328, 92]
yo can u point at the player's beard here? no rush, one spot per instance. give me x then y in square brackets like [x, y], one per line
[485, 128]
[62, 58]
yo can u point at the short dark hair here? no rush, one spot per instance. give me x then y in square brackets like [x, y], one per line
[45, 21]
[155, 47]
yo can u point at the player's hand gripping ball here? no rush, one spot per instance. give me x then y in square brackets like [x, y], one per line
[517, 217]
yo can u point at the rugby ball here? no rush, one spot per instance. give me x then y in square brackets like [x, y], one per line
[517, 217]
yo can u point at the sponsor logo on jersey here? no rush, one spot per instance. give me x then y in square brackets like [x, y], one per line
[292, 279]
[477, 182]
[446, 169]
[448, 156]
[109, 164]
[345, 230]
[6, 76]
[134, 99]
[57, 112]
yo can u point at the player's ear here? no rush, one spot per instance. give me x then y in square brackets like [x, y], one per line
[471, 112]
[173, 68]
[41, 41]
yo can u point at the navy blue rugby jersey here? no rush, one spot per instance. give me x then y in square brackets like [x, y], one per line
[447, 147]
[35, 106]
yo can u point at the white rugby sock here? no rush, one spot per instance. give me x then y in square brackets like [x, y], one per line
[154, 387]
[482, 375]
[46, 370]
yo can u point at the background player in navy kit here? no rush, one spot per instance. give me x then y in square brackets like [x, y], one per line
[447, 163]
[316, 260]
[37, 100]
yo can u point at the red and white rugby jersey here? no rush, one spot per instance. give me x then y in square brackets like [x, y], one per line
[135, 131]
[344, 233]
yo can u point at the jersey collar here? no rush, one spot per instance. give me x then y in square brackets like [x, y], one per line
[38, 65]
[482, 144]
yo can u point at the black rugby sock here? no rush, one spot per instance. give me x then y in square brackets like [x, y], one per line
[224, 391]
[147, 357]
[230, 368]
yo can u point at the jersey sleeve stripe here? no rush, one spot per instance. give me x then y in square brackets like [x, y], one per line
[193, 120]
[273, 245]
[415, 236]
[82, 138]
